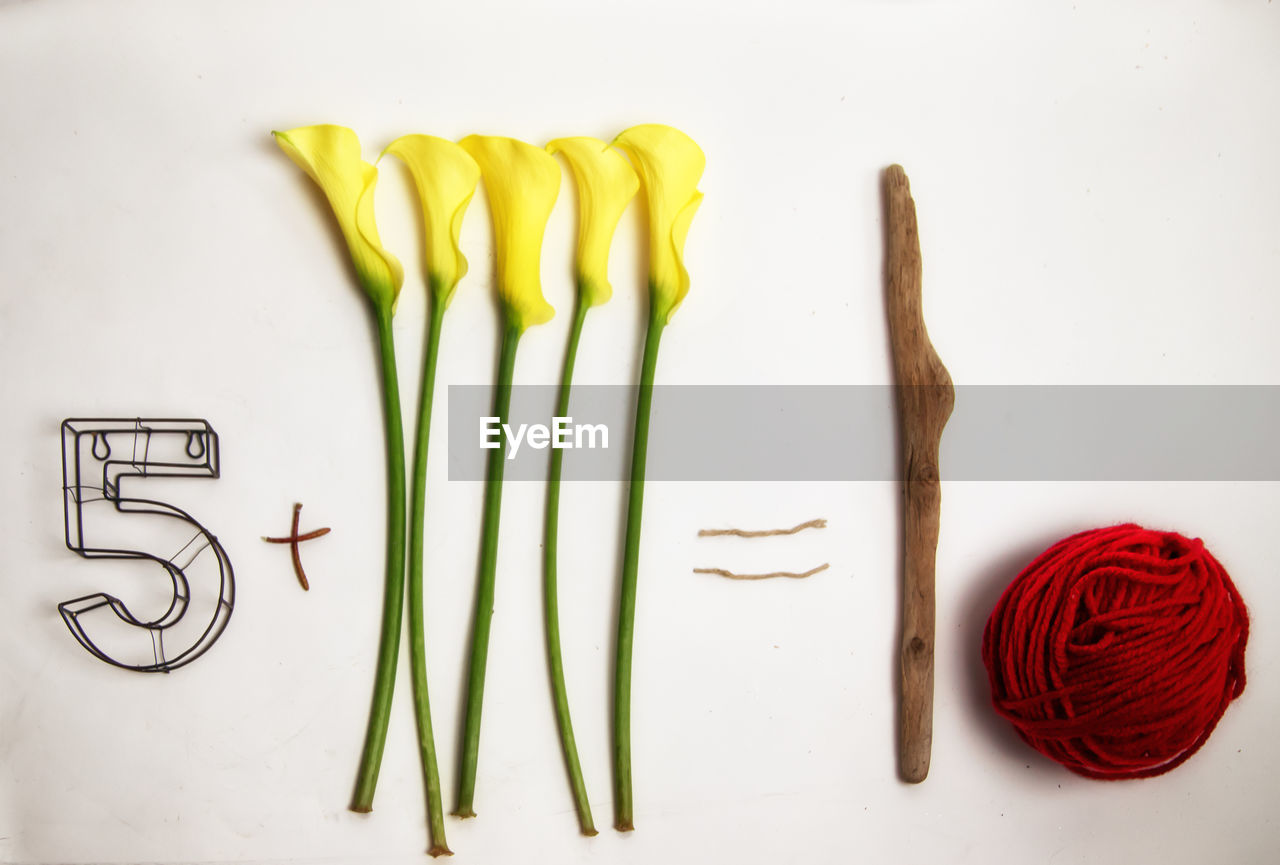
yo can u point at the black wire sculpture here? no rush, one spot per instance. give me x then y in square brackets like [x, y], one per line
[98, 455]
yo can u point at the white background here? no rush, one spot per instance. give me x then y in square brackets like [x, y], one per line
[1099, 200]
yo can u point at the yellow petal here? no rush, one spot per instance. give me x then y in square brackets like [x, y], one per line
[331, 157]
[445, 176]
[521, 183]
[670, 165]
[606, 184]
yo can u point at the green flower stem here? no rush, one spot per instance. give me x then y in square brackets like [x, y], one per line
[485, 579]
[417, 613]
[622, 801]
[551, 604]
[393, 601]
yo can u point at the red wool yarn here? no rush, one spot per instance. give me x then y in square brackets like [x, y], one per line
[1117, 650]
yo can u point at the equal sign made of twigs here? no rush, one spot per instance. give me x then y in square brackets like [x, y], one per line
[764, 533]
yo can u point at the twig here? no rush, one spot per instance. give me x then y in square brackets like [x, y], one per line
[293, 540]
[721, 572]
[306, 536]
[766, 533]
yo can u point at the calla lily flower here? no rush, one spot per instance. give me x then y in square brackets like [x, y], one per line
[445, 176]
[606, 184]
[330, 155]
[670, 165]
[521, 183]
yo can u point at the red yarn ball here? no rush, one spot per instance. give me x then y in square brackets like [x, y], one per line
[1117, 650]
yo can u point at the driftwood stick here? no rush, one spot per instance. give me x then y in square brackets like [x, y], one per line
[925, 398]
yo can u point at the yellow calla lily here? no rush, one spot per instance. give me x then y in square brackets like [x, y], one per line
[670, 165]
[606, 184]
[445, 176]
[521, 183]
[331, 157]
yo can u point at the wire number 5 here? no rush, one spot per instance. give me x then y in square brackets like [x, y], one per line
[167, 624]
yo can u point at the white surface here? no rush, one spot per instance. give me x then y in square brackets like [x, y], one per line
[1099, 202]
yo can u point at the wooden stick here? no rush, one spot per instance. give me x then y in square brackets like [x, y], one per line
[925, 398]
